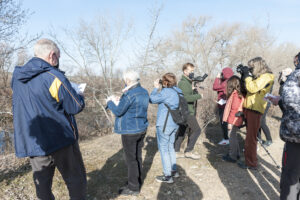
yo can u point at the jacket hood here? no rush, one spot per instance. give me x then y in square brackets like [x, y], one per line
[298, 66]
[227, 73]
[32, 68]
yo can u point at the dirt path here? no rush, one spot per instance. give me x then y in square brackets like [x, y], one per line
[209, 178]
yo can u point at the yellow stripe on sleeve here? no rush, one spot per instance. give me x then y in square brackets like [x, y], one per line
[54, 89]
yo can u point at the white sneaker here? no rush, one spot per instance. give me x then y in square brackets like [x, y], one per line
[192, 155]
[224, 142]
[179, 155]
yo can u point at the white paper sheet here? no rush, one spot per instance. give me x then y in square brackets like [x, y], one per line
[79, 88]
[221, 102]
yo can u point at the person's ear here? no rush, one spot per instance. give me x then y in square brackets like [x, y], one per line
[165, 84]
[52, 58]
[185, 72]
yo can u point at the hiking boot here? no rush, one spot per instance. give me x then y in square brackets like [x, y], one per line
[126, 191]
[179, 155]
[175, 174]
[244, 166]
[227, 158]
[223, 142]
[192, 155]
[164, 179]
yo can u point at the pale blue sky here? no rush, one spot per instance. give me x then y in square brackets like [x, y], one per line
[282, 15]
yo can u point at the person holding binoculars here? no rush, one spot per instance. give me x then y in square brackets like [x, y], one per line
[258, 81]
[166, 127]
[219, 86]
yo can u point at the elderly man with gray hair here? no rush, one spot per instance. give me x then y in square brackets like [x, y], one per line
[44, 105]
[131, 122]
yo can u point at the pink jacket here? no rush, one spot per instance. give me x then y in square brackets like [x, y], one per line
[234, 104]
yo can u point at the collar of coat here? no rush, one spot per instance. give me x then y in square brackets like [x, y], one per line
[134, 85]
[186, 79]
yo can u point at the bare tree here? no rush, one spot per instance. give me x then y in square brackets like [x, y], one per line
[12, 17]
[150, 45]
[211, 48]
[95, 48]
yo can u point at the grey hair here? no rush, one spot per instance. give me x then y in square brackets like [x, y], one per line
[43, 47]
[133, 76]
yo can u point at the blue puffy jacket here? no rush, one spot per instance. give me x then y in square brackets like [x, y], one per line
[166, 96]
[44, 105]
[131, 112]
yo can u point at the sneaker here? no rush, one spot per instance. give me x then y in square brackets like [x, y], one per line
[179, 155]
[244, 166]
[175, 174]
[227, 158]
[126, 191]
[267, 143]
[224, 142]
[164, 179]
[192, 155]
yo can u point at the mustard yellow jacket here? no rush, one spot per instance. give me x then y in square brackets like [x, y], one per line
[256, 90]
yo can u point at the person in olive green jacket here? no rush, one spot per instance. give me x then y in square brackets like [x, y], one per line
[185, 84]
[257, 84]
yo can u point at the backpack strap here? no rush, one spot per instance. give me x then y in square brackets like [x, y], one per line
[165, 124]
[178, 93]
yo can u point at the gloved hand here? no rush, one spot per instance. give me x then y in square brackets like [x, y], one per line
[245, 72]
[239, 114]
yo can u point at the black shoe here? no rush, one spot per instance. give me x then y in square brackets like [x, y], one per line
[164, 179]
[227, 158]
[126, 191]
[175, 174]
[244, 166]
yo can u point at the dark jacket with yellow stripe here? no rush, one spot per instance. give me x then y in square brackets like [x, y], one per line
[44, 105]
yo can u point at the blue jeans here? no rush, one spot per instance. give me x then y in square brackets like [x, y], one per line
[165, 143]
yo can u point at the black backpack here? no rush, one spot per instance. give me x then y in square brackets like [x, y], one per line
[180, 114]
